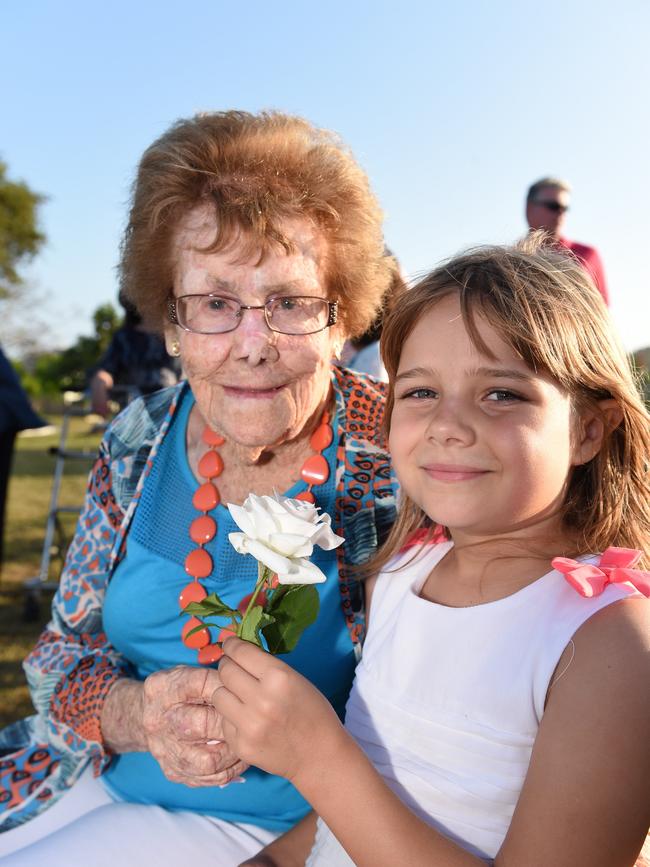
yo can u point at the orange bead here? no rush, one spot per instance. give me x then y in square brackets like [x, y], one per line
[205, 497]
[212, 438]
[211, 465]
[209, 654]
[315, 470]
[307, 496]
[198, 563]
[192, 592]
[243, 605]
[226, 633]
[203, 529]
[321, 437]
[199, 639]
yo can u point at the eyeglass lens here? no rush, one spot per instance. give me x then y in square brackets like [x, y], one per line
[557, 207]
[210, 314]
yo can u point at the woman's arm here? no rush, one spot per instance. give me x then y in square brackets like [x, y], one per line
[82, 687]
[585, 800]
[73, 667]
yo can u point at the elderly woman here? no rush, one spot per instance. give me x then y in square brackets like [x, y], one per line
[255, 245]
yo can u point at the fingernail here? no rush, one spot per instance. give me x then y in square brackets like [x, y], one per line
[234, 780]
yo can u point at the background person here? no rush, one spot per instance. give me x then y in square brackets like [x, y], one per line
[136, 361]
[255, 243]
[16, 414]
[547, 203]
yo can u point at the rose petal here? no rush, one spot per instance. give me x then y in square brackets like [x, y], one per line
[239, 541]
[301, 509]
[275, 504]
[267, 556]
[243, 520]
[302, 572]
[326, 538]
[260, 516]
[291, 524]
[291, 545]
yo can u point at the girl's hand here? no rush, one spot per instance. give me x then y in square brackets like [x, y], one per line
[272, 716]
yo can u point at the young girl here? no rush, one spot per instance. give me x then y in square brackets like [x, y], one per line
[501, 710]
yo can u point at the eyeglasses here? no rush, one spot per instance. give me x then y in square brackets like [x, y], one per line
[288, 314]
[556, 207]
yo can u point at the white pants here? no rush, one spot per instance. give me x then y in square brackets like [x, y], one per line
[87, 826]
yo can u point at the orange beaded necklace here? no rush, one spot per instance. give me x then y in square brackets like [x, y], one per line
[198, 563]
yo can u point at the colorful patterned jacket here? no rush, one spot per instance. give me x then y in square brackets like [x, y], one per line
[72, 667]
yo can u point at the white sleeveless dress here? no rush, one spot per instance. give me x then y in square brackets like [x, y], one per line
[447, 701]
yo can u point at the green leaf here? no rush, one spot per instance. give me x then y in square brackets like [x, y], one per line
[254, 623]
[211, 606]
[198, 629]
[276, 593]
[293, 611]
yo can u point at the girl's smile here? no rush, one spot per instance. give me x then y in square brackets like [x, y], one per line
[454, 472]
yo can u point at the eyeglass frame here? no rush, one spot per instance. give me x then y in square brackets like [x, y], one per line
[556, 207]
[332, 314]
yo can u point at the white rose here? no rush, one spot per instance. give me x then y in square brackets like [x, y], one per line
[281, 533]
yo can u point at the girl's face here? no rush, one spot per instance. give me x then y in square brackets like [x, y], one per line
[483, 445]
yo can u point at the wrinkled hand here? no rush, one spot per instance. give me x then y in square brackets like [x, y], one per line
[272, 716]
[183, 731]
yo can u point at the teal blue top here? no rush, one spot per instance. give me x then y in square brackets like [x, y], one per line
[73, 666]
[142, 622]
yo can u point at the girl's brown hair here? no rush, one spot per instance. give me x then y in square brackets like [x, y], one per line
[255, 171]
[545, 306]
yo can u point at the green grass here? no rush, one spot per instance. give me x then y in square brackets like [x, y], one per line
[27, 508]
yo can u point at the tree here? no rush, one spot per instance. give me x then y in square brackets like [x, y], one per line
[20, 240]
[20, 237]
[53, 372]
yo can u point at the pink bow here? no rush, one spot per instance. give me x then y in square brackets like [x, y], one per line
[615, 566]
[418, 537]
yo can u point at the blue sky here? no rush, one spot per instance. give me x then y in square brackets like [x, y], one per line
[453, 109]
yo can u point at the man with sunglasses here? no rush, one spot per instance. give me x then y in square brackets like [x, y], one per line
[547, 202]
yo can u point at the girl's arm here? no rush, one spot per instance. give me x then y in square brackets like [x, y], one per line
[289, 850]
[276, 719]
[585, 800]
[293, 847]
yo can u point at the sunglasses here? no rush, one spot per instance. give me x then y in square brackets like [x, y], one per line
[556, 207]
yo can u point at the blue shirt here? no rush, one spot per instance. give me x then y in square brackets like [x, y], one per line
[142, 621]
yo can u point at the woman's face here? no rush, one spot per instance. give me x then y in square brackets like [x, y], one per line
[253, 385]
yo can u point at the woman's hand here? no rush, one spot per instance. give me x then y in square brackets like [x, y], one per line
[183, 732]
[272, 716]
[169, 715]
